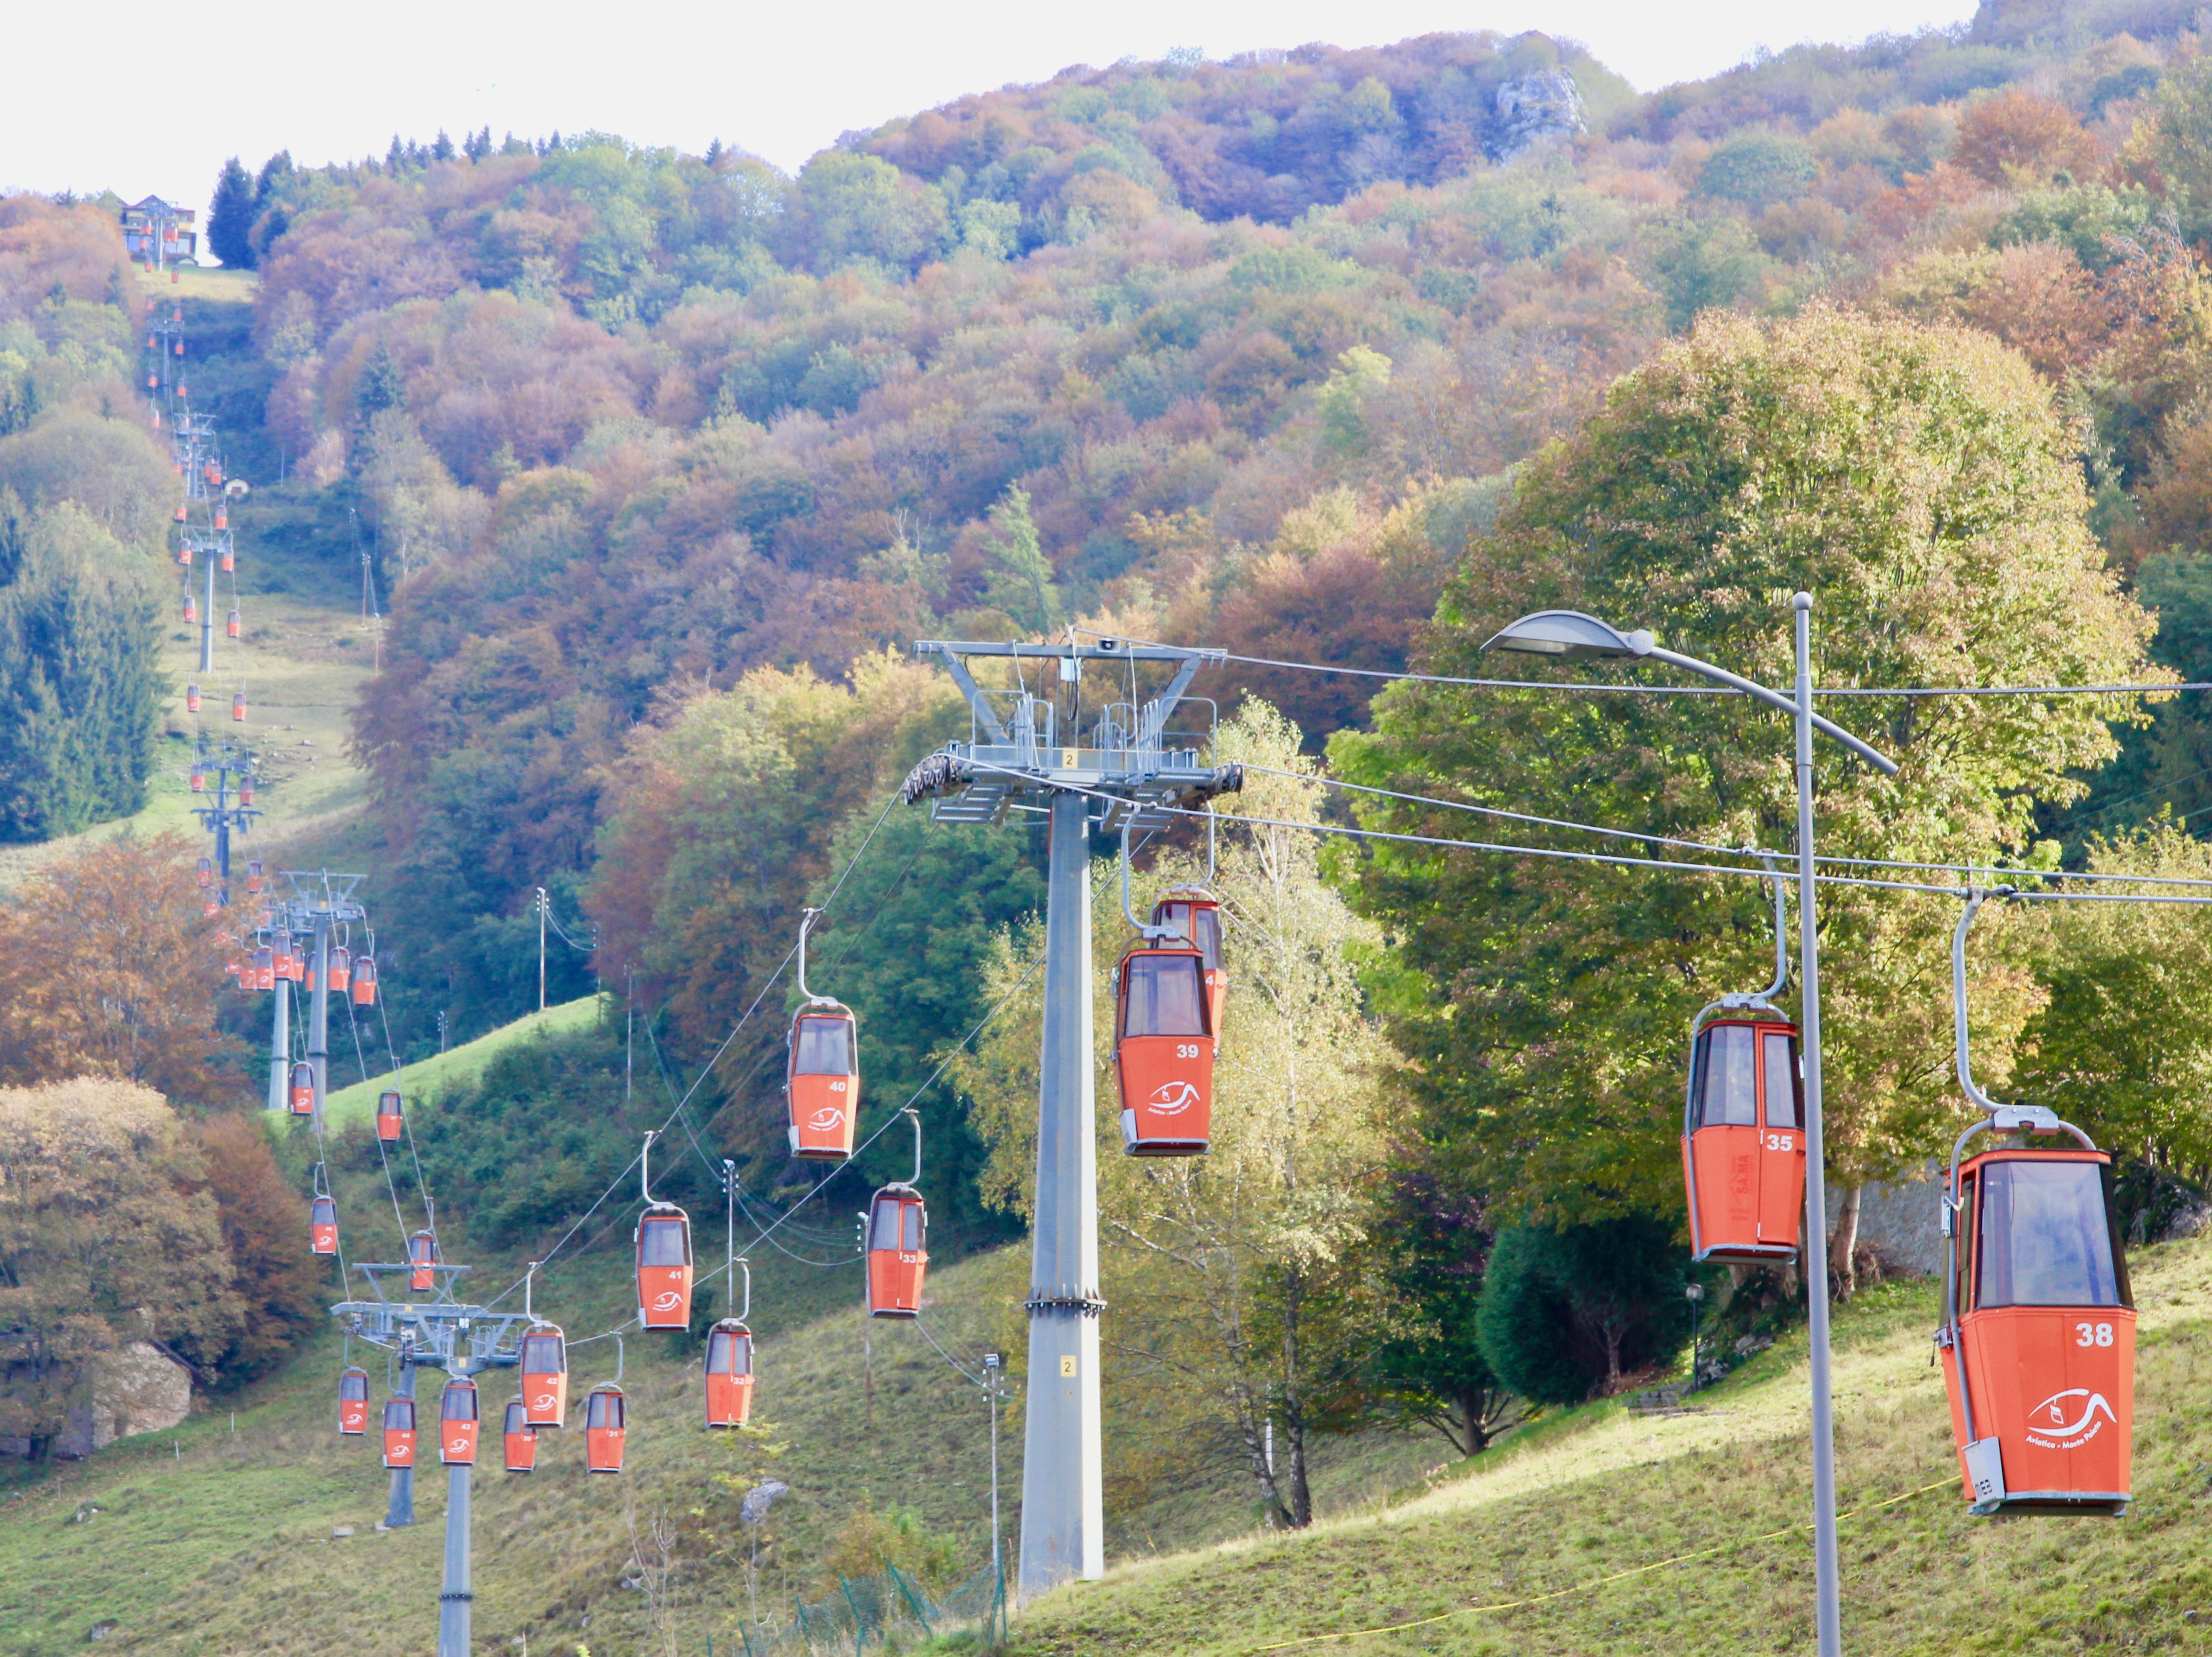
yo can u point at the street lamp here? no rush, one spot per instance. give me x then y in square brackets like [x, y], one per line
[1571, 636]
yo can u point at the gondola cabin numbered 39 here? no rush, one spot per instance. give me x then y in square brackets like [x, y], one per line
[1743, 1142]
[1164, 1052]
[2039, 1356]
[823, 1082]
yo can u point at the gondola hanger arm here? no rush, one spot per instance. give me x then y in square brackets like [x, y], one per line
[1148, 933]
[806, 919]
[2033, 1118]
[915, 1116]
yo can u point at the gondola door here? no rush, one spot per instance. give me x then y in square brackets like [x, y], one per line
[1743, 1142]
[2040, 1362]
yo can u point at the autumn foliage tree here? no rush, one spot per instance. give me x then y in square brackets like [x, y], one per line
[109, 968]
[273, 1273]
[2016, 139]
[103, 1243]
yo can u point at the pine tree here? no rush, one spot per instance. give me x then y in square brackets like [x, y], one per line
[441, 147]
[230, 217]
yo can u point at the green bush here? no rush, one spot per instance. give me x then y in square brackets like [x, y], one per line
[1567, 1311]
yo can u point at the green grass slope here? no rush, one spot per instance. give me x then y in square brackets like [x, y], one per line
[428, 1077]
[1603, 1531]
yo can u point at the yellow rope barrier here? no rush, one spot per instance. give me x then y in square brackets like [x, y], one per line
[1596, 1582]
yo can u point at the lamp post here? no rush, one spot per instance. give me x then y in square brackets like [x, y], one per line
[1571, 636]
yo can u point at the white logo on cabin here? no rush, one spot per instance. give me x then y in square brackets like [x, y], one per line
[826, 1120]
[1172, 1099]
[544, 1401]
[2050, 1416]
[665, 1301]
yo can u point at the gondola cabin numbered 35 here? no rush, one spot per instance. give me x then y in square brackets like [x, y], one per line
[1743, 1142]
[2039, 1355]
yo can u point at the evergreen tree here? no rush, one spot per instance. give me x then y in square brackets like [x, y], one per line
[230, 217]
[78, 672]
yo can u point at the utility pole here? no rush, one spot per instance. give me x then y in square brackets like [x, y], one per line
[993, 1364]
[541, 948]
[1127, 768]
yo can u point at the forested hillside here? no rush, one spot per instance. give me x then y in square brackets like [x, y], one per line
[657, 463]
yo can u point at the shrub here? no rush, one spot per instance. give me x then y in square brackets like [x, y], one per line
[1567, 1311]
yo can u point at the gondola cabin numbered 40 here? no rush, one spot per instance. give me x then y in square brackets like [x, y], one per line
[1164, 1052]
[823, 1082]
[2039, 1355]
[1743, 1142]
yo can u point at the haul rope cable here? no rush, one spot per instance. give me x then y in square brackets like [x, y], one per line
[1594, 1582]
[1598, 856]
[1667, 690]
[1707, 846]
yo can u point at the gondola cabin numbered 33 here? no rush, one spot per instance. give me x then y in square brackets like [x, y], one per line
[1743, 1142]
[729, 1373]
[2038, 1356]
[898, 1254]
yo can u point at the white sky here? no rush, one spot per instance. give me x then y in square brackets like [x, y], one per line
[145, 98]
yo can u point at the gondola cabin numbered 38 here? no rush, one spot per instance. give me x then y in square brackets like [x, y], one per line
[1743, 1142]
[2039, 1354]
[1164, 1052]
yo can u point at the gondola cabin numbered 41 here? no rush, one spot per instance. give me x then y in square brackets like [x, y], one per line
[1743, 1142]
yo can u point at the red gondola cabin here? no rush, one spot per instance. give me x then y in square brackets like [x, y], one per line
[303, 1089]
[1743, 1142]
[664, 1268]
[353, 1403]
[262, 969]
[2039, 1356]
[519, 1440]
[323, 1225]
[191, 699]
[898, 1252]
[205, 872]
[545, 1369]
[457, 1423]
[341, 970]
[822, 1082]
[389, 1119]
[364, 982]
[1195, 914]
[238, 707]
[399, 1432]
[729, 1373]
[424, 1257]
[1164, 1052]
[605, 1426]
[252, 864]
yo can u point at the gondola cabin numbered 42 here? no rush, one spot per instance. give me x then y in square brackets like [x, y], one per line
[2039, 1351]
[1743, 1140]
[544, 1371]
